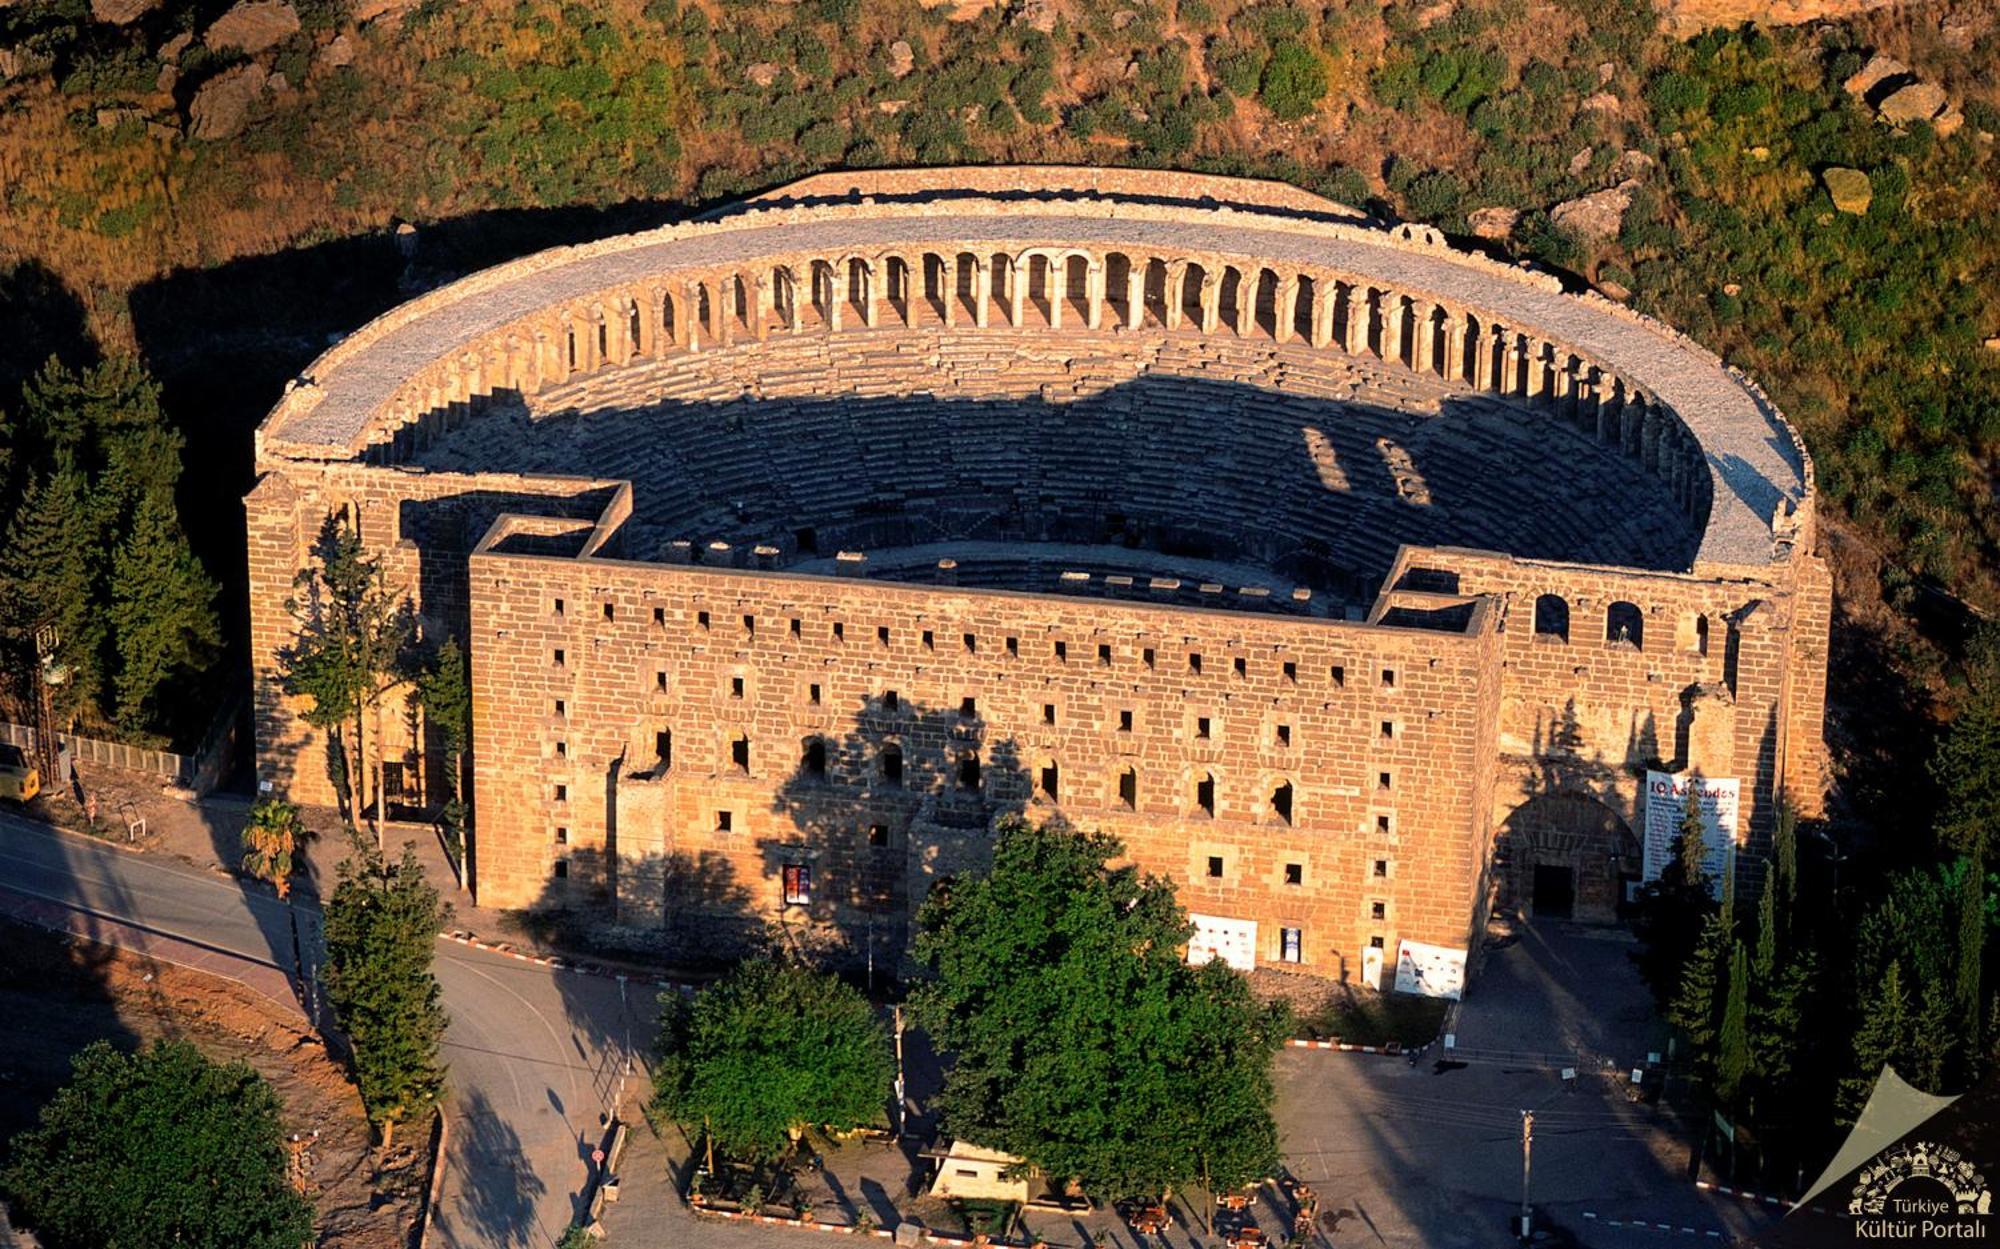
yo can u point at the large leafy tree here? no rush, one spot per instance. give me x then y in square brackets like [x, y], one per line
[161, 1147]
[768, 1051]
[381, 936]
[353, 634]
[1082, 1040]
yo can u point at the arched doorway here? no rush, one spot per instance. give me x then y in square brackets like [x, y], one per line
[1567, 856]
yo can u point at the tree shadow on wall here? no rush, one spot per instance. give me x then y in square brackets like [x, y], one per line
[879, 813]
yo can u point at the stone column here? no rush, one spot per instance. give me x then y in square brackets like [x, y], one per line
[1355, 323]
[1537, 389]
[1610, 409]
[1248, 287]
[870, 297]
[1423, 342]
[1017, 291]
[1483, 348]
[1135, 293]
[1632, 423]
[1211, 298]
[1454, 345]
[1055, 284]
[1324, 291]
[1396, 319]
[1285, 308]
[1093, 294]
[760, 296]
[982, 292]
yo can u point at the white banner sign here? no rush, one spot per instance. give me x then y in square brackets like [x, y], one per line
[1666, 802]
[1430, 970]
[1234, 941]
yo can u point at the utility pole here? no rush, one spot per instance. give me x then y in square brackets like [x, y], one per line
[1527, 1152]
[47, 675]
[902, 1101]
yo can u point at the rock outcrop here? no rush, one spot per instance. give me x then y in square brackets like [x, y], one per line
[253, 26]
[224, 102]
[1596, 217]
[1685, 19]
[121, 12]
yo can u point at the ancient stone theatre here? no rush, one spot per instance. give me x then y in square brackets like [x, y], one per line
[1354, 581]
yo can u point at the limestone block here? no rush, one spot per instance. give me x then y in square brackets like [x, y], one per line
[1596, 217]
[1493, 223]
[1849, 188]
[121, 12]
[1879, 69]
[253, 25]
[902, 58]
[763, 73]
[337, 53]
[1920, 101]
[224, 102]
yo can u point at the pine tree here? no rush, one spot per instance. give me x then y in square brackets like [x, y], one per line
[1732, 1062]
[1933, 1041]
[48, 570]
[162, 612]
[1878, 1042]
[1778, 1025]
[271, 837]
[381, 935]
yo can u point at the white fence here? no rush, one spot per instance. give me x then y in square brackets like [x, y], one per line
[200, 772]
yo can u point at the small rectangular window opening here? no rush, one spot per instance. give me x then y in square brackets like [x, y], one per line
[1215, 867]
[1295, 873]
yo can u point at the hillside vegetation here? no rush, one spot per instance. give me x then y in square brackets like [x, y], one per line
[1687, 176]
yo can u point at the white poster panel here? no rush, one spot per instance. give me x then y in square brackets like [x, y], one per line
[1666, 800]
[1371, 966]
[1430, 970]
[1234, 941]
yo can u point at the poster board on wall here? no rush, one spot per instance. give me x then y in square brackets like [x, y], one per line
[1666, 799]
[1430, 970]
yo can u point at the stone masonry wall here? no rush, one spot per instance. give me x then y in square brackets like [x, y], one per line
[1370, 726]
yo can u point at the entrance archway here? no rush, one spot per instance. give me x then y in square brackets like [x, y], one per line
[1567, 856]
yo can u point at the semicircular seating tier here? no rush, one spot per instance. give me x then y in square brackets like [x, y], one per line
[1134, 382]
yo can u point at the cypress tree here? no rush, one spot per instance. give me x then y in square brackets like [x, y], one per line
[1689, 870]
[1785, 855]
[1732, 1062]
[1971, 950]
[1692, 1010]
[1767, 929]
[1966, 766]
[162, 612]
[1878, 1041]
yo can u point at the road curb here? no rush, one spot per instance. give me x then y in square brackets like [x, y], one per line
[1745, 1195]
[1653, 1225]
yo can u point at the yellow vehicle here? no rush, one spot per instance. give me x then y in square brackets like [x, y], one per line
[18, 779]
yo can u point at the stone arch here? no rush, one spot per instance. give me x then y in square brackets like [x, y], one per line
[1624, 622]
[1552, 616]
[1567, 843]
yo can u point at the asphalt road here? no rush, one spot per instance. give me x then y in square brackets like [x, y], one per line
[537, 1055]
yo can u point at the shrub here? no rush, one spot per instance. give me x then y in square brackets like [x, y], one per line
[1294, 81]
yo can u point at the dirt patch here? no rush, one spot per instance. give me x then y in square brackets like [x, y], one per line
[56, 996]
[1331, 1011]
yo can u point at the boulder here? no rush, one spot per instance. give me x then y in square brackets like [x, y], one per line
[253, 25]
[167, 79]
[1879, 69]
[1948, 122]
[337, 53]
[1578, 163]
[1039, 14]
[1596, 217]
[1494, 222]
[224, 102]
[171, 50]
[1633, 166]
[1602, 102]
[1992, 344]
[121, 12]
[1920, 101]
[11, 62]
[902, 58]
[366, 11]
[1849, 188]
[763, 73]
[1607, 71]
